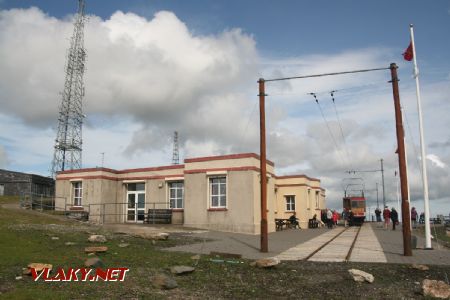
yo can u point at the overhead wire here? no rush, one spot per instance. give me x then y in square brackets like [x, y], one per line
[328, 127]
[419, 166]
[342, 131]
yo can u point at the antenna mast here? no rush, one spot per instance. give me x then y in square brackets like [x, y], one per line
[176, 154]
[68, 143]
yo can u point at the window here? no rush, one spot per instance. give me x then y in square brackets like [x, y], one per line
[218, 192]
[77, 193]
[176, 190]
[317, 199]
[290, 203]
[2, 189]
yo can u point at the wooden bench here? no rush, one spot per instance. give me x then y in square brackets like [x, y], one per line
[158, 216]
[312, 223]
[280, 223]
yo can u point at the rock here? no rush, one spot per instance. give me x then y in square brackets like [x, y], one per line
[26, 271]
[97, 238]
[164, 282]
[123, 245]
[361, 276]
[155, 236]
[55, 238]
[253, 264]
[436, 289]
[69, 243]
[95, 249]
[18, 277]
[91, 254]
[196, 257]
[267, 262]
[420, 267]
[153, 242]
[179, 270]
[39, 266]
[94, 262]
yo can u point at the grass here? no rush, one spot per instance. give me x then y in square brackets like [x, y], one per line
[437, 231]
[25, 237]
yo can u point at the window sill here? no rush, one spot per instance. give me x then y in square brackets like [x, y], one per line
[76, 208]
[178, 209]
[218, 209]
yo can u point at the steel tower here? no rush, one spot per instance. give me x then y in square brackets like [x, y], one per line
[176, 154]
[68, 143]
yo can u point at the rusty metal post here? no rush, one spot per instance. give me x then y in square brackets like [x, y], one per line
[401, 164]
[263, 177]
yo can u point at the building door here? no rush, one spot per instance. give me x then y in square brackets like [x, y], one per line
[136, 202]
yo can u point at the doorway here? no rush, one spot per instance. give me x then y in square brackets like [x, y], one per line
[135, 202]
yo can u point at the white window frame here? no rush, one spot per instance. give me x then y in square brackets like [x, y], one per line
[77, 201]
[290, 202]
[177, 191]
[211, 195]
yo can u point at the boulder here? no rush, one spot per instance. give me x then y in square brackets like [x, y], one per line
[95, 249]
[164, 282]
[155, 235]
[196, 257]
[93, 262]
[436, 289]
[268, 262]
[179, 270]
[55, 238]
[39, 266]
[420, 267]
[97, 238]
[69, 243]
[361, 276]
[123, 245]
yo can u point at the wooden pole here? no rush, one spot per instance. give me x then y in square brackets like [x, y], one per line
[263, 177]
[401, 163]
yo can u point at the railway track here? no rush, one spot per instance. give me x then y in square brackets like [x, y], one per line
[331, 246]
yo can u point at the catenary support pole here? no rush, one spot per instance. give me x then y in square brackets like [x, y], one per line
[407, 251]
[263, 177]
[382, 183]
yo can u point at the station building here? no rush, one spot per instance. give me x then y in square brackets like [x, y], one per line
[216, 193]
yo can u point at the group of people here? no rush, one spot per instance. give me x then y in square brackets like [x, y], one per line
[392, 215]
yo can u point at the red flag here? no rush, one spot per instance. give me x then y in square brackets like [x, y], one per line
[408, 54]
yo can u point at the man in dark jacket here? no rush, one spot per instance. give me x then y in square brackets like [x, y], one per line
[394, 218]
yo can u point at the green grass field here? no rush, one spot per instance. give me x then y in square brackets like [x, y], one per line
[26, 237]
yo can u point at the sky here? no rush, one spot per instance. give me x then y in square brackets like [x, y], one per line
[154, 67]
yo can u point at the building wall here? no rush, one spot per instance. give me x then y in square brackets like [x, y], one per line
[17, 183]
[105, 191]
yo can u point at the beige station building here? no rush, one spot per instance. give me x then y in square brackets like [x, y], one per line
[217, 193]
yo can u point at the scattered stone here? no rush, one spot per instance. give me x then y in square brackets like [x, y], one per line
[91, 254]
[94, 262]
[18, 277]
[155, 235]
[26, 271]
[361, 276]
[164, 282]
[267, 262]
[436, 289]
[196, 257]
[39, 266]
[179, 270]
[97, 238]
[253, 264]
[95, 249]
[420, 267]
[55, 238]
[123, 245]
[69, 243]
[153, 242]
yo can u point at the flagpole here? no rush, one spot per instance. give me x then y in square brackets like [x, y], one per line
[422, 148]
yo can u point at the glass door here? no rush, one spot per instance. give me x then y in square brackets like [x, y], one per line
[135, 202]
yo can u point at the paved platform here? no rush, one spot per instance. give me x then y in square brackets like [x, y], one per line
[372, 245]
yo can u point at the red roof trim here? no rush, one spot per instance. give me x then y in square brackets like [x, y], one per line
[223, 157]
[298, 176]
[245, 168]
[162, 168]
[121, 178]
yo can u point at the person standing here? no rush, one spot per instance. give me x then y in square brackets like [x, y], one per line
[386, 217]
[345, 217]
[378, 214]
[329, 219]
[414, 217]
[394, 218]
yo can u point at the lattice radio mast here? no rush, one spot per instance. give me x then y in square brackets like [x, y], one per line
[176, 154]
[68, 143]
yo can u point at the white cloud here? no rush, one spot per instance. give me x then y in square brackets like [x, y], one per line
[146, 78]
[436, 161]
[3, 157]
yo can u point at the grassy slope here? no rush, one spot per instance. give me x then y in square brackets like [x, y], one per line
[210, 280]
